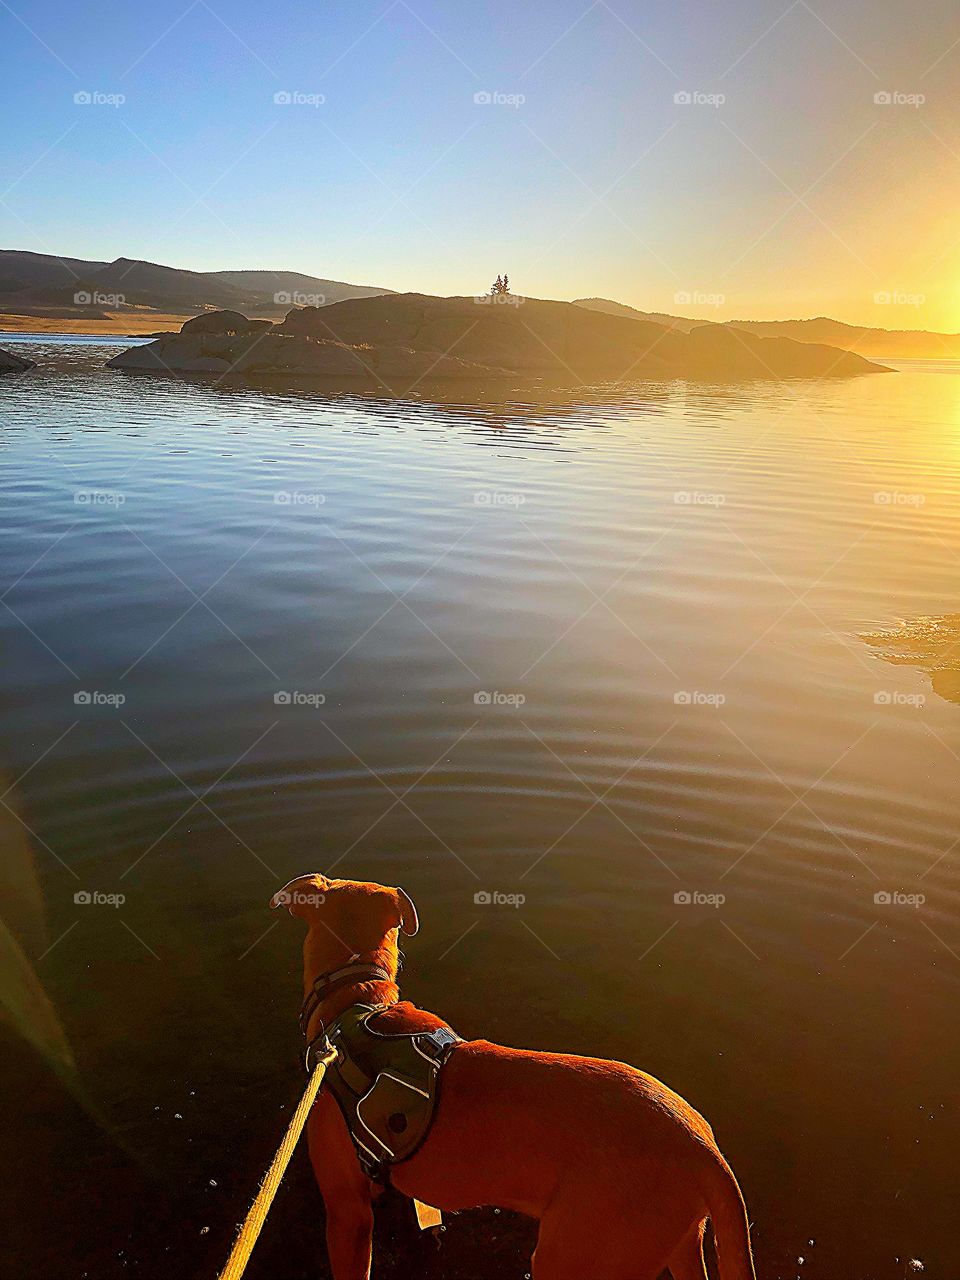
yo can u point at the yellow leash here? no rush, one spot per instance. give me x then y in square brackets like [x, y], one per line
[253, 1224]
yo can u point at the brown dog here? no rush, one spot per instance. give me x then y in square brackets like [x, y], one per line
[620, 1172]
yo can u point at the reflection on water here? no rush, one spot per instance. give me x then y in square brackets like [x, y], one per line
[245, 632]
[929, 644]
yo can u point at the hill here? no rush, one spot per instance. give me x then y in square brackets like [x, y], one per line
[611, 308]
[20, 270]
[35, 285]
[876, 343]
[266, 284]
[881, 343]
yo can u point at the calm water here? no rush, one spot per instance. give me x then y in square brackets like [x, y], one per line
[662, 597]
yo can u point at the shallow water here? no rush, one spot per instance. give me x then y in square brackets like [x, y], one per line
[663, 596]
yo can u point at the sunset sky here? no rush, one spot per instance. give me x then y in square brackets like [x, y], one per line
[782, 189]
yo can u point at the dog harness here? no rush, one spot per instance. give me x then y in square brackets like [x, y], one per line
[386, 1084]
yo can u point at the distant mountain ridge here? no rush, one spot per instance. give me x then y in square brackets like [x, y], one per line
[923, 344]
[611, 308]
[37, 283]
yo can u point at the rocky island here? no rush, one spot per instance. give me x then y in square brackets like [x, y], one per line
[9, 363]
[396, 340]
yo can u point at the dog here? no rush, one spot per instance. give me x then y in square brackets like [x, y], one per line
[620, 1172]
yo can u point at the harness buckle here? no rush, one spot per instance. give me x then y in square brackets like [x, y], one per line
[436, 1043]
[317, 1049]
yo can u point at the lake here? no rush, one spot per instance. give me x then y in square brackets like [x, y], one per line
[585, 676]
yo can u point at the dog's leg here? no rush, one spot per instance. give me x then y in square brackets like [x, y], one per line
[687, 1262]
[349, 1239]
[347, 1192]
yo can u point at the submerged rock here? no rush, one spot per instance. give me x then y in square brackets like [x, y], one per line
[9, 363]
[931, 645]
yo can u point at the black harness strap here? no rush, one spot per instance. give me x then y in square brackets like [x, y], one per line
[327, 983]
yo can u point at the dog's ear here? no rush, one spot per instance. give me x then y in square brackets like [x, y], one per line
[409, 922]
[302, 895]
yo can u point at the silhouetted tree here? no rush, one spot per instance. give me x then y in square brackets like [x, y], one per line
[500, 285]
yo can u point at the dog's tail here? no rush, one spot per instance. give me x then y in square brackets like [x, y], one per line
[728, 1214]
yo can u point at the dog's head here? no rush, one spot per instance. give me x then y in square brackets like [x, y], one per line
[345, 918]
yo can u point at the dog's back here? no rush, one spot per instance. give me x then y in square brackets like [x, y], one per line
[579, 1143]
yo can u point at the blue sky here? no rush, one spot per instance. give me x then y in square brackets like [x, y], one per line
[796, 194]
